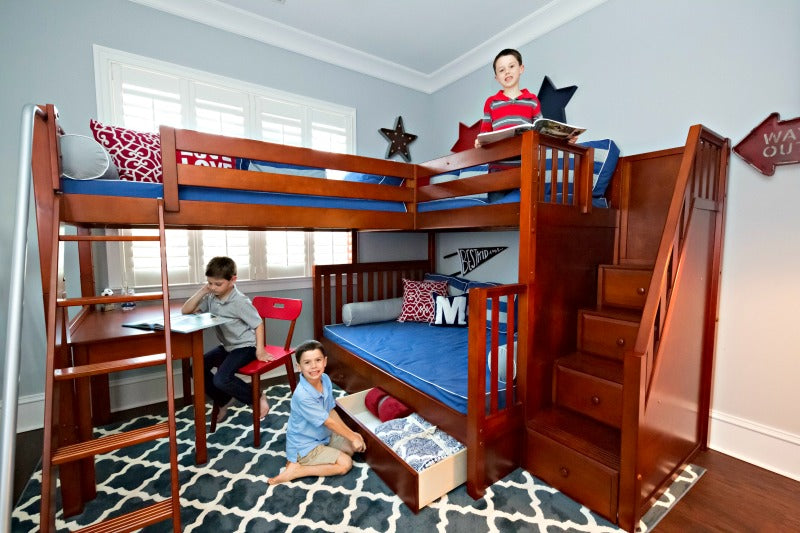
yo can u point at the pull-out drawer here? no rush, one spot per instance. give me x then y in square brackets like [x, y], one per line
[416, 489]
[589, 395]
[623, 286]
[585, 480]
[607, 335]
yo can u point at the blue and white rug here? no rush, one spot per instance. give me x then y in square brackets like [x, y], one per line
[230, 492]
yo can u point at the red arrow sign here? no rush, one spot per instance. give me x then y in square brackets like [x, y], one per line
[773, 142]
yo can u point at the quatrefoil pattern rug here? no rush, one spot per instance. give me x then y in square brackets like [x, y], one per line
[230, 493]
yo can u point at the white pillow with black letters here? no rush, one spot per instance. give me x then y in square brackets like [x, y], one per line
[450, 310]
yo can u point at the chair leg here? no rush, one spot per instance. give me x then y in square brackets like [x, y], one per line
[290, 374]
[255, 381]
[214, 414]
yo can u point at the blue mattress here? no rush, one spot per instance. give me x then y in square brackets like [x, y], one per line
[431, 359]
[207, 194]
[511, 197]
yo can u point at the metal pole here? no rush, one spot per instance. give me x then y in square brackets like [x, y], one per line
[14, 324]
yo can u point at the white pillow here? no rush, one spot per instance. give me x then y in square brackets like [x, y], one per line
[376, 311]
[83, 158]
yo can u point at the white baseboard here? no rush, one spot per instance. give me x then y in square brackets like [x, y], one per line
[125, 393]
[763, 446]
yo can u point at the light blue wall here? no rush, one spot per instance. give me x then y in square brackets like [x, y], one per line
[645, 69]
[46, 57]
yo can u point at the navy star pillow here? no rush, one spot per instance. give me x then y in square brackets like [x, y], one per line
[450, 310]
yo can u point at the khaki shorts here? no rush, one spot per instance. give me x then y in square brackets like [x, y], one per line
[325, 454]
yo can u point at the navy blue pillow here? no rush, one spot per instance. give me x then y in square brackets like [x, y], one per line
[450, 310]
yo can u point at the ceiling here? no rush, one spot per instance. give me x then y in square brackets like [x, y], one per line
[421, 44]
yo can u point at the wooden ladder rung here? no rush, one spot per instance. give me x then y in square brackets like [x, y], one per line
[89, 448]
[117, 298]
[109, 238]
[137, 519]
[108, 367]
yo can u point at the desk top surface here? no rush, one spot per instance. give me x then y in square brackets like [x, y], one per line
[107, 325]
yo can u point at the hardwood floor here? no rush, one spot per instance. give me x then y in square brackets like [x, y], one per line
[735, 496]
[731, 496]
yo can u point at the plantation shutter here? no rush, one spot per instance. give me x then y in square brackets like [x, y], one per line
[143, 98]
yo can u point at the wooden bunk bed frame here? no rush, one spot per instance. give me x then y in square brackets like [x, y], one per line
[561, 244]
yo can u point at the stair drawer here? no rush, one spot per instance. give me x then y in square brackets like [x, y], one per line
[585, 480]
[603, 335]
[623, 287]
[589, 395]
[416, 489]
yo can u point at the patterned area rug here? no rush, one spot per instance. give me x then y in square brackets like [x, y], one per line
[230, 493]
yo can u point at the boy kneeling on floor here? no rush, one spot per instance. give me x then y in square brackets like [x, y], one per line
[318, 442]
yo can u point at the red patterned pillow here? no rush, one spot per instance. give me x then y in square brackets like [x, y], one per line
[418, 303]
[136, 154]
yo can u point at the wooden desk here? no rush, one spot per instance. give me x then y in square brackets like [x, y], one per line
[100, 337]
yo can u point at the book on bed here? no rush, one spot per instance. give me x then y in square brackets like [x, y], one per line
[181, 323]
[545, 126]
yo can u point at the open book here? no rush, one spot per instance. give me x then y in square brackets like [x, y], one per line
[181, 323]
[545, 126]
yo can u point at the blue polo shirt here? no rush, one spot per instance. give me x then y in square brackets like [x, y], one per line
[310, 410]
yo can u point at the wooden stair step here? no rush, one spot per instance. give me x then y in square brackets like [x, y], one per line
[108, 367]
[135, 520]
[580, 433]
[105, 444]
[601, 367]
[615, 313]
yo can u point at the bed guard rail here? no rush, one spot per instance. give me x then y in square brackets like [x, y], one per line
[14, 319]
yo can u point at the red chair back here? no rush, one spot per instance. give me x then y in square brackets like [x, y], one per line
[279, 309]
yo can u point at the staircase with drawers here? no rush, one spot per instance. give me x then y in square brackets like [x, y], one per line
[576, 440]
[619, 402]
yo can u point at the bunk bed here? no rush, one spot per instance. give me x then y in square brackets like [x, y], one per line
[547, 195]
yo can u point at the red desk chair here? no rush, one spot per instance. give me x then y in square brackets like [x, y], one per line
[277, 309]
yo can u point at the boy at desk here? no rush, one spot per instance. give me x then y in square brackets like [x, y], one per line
[242, 338]
[318, 442]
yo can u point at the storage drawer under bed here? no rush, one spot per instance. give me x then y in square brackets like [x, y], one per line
[416, 489]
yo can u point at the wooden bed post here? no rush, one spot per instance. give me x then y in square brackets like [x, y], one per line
[170, 168]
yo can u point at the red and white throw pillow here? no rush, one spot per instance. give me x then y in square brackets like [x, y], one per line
[418, 303]
[136, 154]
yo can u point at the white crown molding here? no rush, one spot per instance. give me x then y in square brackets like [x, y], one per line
[228, 18]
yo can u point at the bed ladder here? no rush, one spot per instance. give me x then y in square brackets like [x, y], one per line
[61, 372]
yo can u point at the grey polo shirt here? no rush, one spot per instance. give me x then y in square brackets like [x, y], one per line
[239, 332]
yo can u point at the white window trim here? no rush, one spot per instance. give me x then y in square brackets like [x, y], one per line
[105, 58]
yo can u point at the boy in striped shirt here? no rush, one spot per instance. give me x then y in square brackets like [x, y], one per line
[511, 106]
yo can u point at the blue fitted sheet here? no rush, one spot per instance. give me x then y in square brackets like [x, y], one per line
[431, 359]
[208, 194]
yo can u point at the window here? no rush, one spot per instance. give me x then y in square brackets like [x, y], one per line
[141, 93]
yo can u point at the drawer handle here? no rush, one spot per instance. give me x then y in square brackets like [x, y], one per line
[640, 291]
[620, 342]
[564, 471]
[595, 400]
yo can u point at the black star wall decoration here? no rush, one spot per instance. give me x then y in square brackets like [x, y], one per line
[398, 140]
[555, 100]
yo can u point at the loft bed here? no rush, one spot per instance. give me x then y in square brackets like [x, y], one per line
[549, 194]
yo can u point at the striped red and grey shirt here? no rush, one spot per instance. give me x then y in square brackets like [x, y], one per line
[502, 112]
